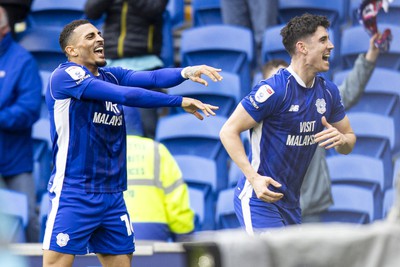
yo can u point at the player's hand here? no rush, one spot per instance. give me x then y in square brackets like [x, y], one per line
[330, 137]
[194, 73]
[191, 105]
[260, 185]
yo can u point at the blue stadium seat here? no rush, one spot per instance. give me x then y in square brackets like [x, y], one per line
[388, 201]
[133, 121]
[272, 47]
[225, 94]
[234, 175]
[225, 212]
[355, 40]
[198, 171]
[381, 95]
[196, 198]
[183, 134]
[396, 171]
[43, 214]
[14, 214]
[201, 173]
[334, 10]
[45, 76]
[358, 169]
[357, 200]
[176, 10]
[167, 48]
[206, 12]
[218, 46]
[371, 124]
[42, 146]
[45, 13]
[43, 44]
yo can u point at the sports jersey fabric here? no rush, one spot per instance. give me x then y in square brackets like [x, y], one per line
[288, 116]
[87, 122]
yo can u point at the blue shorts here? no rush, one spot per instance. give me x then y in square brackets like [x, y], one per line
[81, 223]
[256, 215]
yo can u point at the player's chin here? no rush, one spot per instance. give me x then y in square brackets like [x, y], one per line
[101, 63]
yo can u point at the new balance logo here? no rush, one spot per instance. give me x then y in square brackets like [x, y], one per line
[294, 108]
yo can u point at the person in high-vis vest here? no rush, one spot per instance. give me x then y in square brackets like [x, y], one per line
[157, 198]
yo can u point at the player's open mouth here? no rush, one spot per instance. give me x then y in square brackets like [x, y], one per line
[326, 57]
[99, 51]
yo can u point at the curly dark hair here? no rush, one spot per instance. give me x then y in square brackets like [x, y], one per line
[299, 27]
[67, 31]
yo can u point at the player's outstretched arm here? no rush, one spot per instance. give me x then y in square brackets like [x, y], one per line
[194, 73]
[192, 106]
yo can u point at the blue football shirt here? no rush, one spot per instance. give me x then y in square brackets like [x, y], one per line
[89, 136]
[288, 116]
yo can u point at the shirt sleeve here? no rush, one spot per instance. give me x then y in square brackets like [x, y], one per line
[161, 78]
[264, 99]
[77, 82]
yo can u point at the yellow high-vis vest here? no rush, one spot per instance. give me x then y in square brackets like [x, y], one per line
[157, 197]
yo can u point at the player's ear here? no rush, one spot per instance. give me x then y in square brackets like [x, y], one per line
[301, 47]
[70, 50]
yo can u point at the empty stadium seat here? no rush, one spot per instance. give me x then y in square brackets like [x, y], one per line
[167, 48]
[388, 201]
[334, 10]
[183, 134]
[14, 212]
[272, 47]
[369, 124]
[355, 40]
[218, 46]
[43, 214]
[358, 169]
[234, 175]
[176, 10]
[225, 94]
[45, 13]
[357, 200]
[196, 198]
[206, 12]
[225, 212]
[43, 44]
[45, 76]
[42, 146]
[201, 173]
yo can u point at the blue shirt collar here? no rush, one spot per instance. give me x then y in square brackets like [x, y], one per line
[5, 43]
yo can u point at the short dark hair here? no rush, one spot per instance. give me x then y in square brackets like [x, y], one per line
[67, 31]
[273, 63]
[299, 27]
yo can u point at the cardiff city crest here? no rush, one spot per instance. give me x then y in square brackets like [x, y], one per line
[321, 105]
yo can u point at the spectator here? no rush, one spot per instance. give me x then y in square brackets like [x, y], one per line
[315, 195]
[287, 115]
[154, 178]
[134, 33]
[256, 15]
[20, 87]
[17, 11]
